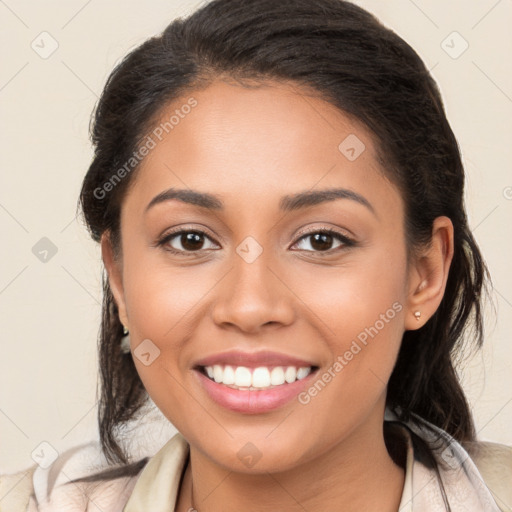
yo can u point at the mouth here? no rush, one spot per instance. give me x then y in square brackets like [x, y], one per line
[253, 390]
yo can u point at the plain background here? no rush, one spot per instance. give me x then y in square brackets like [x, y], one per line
[50, 310]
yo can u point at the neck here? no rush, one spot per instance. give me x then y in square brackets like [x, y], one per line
[357, 473]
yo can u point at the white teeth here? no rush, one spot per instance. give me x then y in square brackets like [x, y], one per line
[256, 378]
[218, 374]
[261, 377]
[290, 374]
[302, 372]
[242, 377]
[229, 375]
[277, 376]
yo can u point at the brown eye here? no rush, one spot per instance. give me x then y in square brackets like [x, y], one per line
[192, 241]
[323, 241]
[186, 242]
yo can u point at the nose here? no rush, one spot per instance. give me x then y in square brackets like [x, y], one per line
[253, 296]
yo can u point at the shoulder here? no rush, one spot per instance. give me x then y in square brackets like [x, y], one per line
[494, 463]
[15, 489]
[477, 473]
[50, 489]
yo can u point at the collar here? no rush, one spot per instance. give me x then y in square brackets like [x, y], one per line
[158, 484]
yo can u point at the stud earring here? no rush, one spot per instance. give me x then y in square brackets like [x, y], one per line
[417, 315]
[125, 341]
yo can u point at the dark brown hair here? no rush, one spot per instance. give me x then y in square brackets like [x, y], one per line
[351, 60]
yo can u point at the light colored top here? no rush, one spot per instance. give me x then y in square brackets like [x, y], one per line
[156, 487]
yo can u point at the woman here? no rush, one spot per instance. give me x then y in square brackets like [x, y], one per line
[289, 272]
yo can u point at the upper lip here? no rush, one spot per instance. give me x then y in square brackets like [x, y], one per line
[253, 359]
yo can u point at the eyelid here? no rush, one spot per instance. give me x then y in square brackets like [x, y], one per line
[345, 240]
[169, 235]
[198, 228]
[325, 229]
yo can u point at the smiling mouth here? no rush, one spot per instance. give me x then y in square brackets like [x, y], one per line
[255, 379]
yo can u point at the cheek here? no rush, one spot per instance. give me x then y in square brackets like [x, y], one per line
[162, 303]
[361, 308]
[367, 291]
[159, 298]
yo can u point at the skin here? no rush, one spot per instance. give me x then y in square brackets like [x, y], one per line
[251, 146]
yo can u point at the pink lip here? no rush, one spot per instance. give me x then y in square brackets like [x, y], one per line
[252, 402]
[253, 359]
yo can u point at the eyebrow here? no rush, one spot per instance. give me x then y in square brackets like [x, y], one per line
[287, 203]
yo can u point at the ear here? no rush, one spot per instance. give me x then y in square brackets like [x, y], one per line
[115, 277]
[428, 275]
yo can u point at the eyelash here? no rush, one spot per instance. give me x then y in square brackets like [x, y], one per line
[346, 241]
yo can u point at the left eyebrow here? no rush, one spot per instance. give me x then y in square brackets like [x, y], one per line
[287, 203]
[312, 198]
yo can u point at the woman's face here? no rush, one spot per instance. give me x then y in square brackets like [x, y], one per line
[252, 274]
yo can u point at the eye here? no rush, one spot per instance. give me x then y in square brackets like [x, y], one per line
[194, 241]
[185, 241]
[323, 240]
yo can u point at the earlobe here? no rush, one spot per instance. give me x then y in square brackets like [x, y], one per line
[429, 275]
[114, 270]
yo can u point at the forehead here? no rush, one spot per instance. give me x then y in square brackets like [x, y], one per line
[248, 144]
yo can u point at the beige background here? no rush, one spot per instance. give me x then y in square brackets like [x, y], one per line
[50, 310]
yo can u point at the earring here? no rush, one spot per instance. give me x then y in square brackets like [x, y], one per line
[417, 315]
[125, 341]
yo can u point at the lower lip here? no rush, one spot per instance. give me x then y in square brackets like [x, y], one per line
[252, 402]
